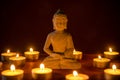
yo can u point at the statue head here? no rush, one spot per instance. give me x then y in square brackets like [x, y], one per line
[59, 20]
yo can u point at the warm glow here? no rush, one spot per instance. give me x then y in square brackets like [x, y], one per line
[74, 51]
[31, 49]
[12, 67]
[110, 49]
[8, 51]
[99, 57]
[17, 55]
[75, 73]
[41, 66]
[114, 67]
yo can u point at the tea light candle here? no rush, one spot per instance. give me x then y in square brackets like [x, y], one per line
[112, 74]
[111, 54]
[32, 55]
[19, 61]
[5, 56]
[77, 55]
[101, 62]
[12, 74]
[76, 76]
[42, 73]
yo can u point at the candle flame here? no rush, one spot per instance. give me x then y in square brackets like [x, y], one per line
[8, 51]
[12, 67]
[110, 49]
[74, 51]
[75, 73]
[31, 49]
[99, 57]
[114, 67]
[17, 55]
[41, 66]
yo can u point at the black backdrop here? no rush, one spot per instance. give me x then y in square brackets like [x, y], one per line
[94, 24]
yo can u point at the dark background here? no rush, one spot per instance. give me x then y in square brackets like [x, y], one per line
[94, 24]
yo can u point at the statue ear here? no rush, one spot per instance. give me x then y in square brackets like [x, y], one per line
[53, 20]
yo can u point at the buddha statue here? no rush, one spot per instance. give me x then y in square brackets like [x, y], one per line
[61, 54]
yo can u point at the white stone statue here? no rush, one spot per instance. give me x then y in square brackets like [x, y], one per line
[61, 56]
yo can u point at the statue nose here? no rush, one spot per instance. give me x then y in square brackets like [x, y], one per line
[60, 23]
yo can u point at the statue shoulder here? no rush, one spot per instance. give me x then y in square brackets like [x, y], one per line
[51, 33]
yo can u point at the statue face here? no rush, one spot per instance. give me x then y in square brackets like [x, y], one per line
[60, 22]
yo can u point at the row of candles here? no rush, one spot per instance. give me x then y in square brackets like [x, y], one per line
[46, 72]
[30, 55]
[39, 73]
[110, 73]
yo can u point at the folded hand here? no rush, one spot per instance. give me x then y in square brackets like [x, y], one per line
[55, 55]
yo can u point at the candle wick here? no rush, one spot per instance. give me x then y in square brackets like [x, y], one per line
[114, 70]
[42, 70]
[13, 70]
[100, 57]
